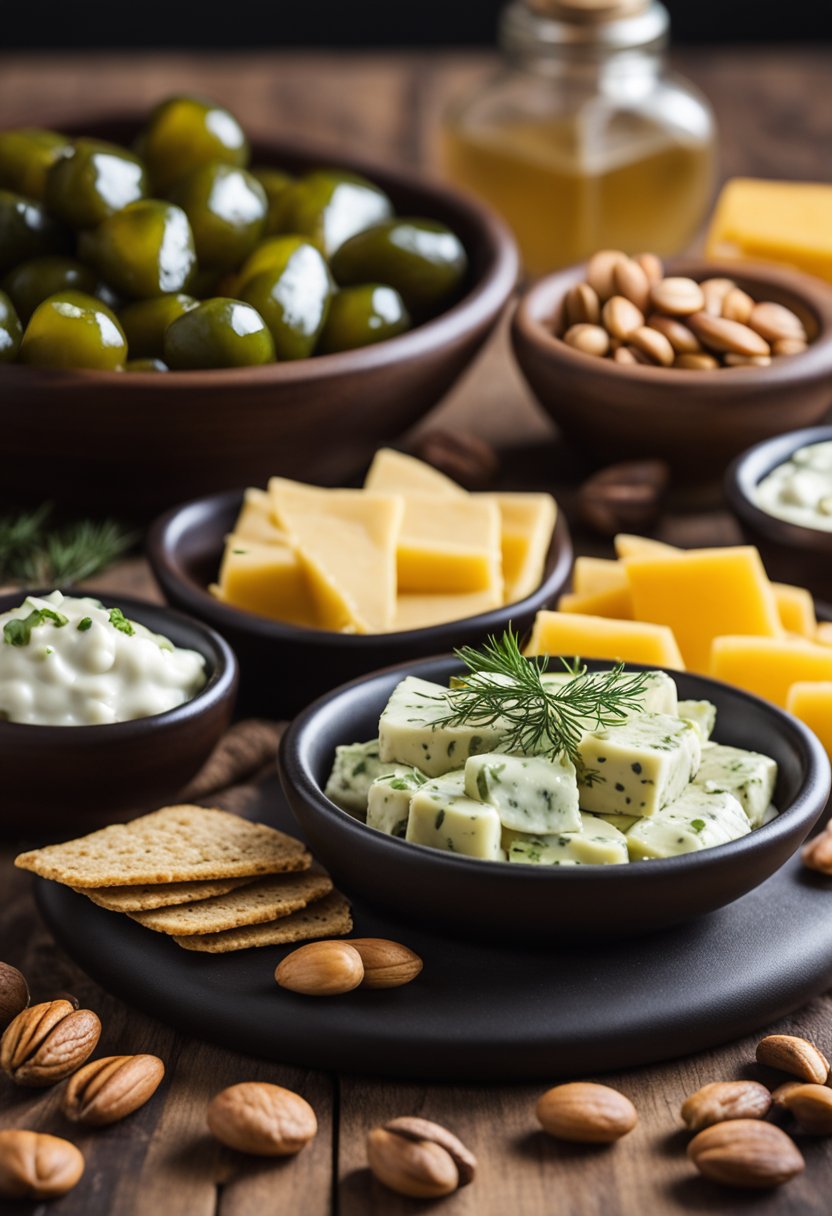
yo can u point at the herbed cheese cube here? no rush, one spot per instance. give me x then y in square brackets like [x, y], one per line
[388, 801]
[531, 793]
[598, 843]
[660, 696]
[749, 776]
[700, 819]
[637, 768]
[408, 733]
[356, 767]
[702, 714]
[441, 817]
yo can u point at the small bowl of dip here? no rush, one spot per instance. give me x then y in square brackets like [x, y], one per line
[106, 709]
[781, 492]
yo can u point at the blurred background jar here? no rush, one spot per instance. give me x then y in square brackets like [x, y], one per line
[584, 140]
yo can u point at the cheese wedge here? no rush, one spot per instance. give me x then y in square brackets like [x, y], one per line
[769, 666]
[593, 574]
[703, 594]
[527, 522]
[788, 222]
[812, 703]
[627, 545]
[346, 541]
[796, 609]
[256, 520]
[395, 473]
[595, 637]
[267, 579]
[616, 602]
[449, 546]
[421, 611]
[824, 633]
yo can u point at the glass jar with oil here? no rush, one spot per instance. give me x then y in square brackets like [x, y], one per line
[585, 141]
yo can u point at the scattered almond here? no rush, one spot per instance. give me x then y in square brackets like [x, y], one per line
[746, 1153]
[111, 1088]
[36, 1166]
[14, 994]
[47, 1042]
[321, 969]
[723, 1100]
[418, 1158]
[586, 1113]
[793, 1055]
[817, 854]
[262, 1119]
[811, 1105]
[386, 964]
[779, 1095]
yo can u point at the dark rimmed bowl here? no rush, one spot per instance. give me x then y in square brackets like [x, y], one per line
[149, 440]
[496, 899]
[791, 553]
[697, 421]
[75, 778]
[284, 667]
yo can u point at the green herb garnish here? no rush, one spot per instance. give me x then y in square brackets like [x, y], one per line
[505, 688]
[119, 621]
[698, 825]
[32, 552]
[19, 631]
[85, 624]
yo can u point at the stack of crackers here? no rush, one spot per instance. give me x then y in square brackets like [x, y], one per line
[210, 880]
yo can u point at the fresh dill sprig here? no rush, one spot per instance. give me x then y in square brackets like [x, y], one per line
[502, 686]
[33, 555]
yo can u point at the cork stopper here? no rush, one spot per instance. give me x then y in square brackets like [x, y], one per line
[587, 12]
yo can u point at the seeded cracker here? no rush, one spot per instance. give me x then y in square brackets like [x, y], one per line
[176, 844]
[329, 917]
[269, 899]
[160, 895]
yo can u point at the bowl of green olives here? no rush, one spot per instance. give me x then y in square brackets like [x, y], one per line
[185, 310]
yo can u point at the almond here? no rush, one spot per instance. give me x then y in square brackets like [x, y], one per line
[779, 1095]
[111, 1088]
[811, 1105]
[788, 346]
[793, 1055]
[589, 339]
[723, 1100]
[683, 340]
[732, 360]
[652, 266]
[817, 854]
[14, 994]
[581, 305]
[714, 292]
[37, 1166]
[262, 1119]
[386, 964]
[630, 281]
[419, 1158]
[696, 362]
[627, 357]
[730, 336]
[599, 272]
[652, 344]
[679, 297]
[737, 305]
[586, 1113]
[775, 322]
[746, 1153]
[47, 1042]
[621, 316]
[321, 969]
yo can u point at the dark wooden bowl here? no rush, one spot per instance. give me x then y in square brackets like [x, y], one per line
[791, 553]
[284, 667]
[698, 421]
[139, 443]
[487, 899]
[57, 780]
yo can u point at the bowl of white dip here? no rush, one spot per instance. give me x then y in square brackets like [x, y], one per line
[106, 709]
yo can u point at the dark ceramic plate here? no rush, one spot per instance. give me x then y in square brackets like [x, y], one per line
[489, 899]
[791, 553]
[284, 667]
[61, 780]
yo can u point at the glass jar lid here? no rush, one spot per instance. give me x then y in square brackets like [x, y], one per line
[592, 26]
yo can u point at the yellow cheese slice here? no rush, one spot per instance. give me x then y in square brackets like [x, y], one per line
[346, 540]
[256, 520]
[593, 574]
[812, 703]
[420, 611]
[449, 546]
[595, 637]
[615, 602]
[788, 222]
[796, 609]
[266, 579]
[527, 522]
[769, 666]
[627, 545]
[702, 594]
[395, 473]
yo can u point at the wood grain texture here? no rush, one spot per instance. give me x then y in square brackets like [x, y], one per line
[161, 1162]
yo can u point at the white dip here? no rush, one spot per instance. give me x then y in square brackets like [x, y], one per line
[73, 662]
[800, 490]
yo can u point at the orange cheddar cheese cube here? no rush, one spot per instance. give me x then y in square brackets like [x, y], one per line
[256, 520]
[774, 221]
[702, 594]
[824, 633]
[527, 522]
[769, 666]
[266, 579]
[595, 637]
[420, 611]
[616, 602]
[796, 609]
[627, 545]
[812, 703]
[593, 574]
[449, 546]
[394, 472]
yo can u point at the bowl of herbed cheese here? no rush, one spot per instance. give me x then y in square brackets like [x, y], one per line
[490, 794]
[104, 709]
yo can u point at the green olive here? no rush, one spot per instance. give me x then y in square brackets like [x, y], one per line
[11, 331]
[145, 322]
[27, 231]
[227, 210]
[186, 132]
[144, 250]
[422, 259]
[218, 333]
[72, 329]
[361, 316]
[274, 182]
[292, 295]
[329, 207]
[31, 282]
[26, 156]
[92, 181]
[145, 365]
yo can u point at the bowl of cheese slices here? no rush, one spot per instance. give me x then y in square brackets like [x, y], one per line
[314, 586]
[494, 795]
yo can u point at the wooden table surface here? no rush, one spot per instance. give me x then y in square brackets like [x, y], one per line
[161, 1162]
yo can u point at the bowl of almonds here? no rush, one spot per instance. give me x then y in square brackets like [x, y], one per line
[690, 362]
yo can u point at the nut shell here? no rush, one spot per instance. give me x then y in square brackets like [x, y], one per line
[746, 1153]
[47, 1042]
[586, 1113]
[36, 1166]
[262, 1119]
[796, 1056]
[321, 969]
[386, 964]
[111, 1088]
